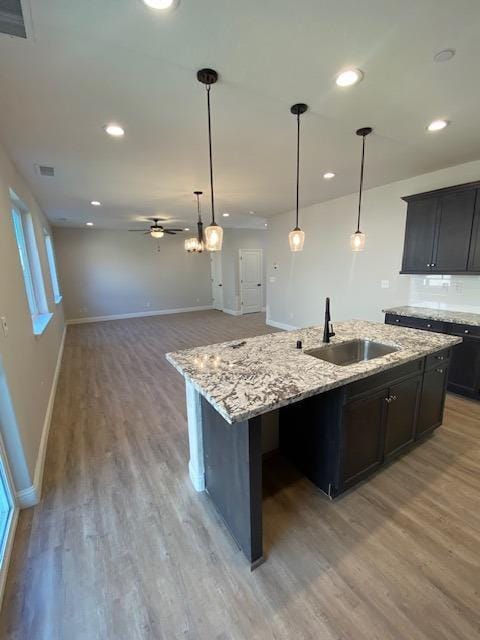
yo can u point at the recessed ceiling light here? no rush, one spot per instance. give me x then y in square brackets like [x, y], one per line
[114, 130]
[162, 5]
[437, 125]
[348, 77]
[89, 224]
[252, 213]
[329, 175]
[266, 224]
[96, 203]
[226, 215]
[187, 229]
[444, 56]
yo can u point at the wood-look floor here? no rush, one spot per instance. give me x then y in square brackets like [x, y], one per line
[122, 548]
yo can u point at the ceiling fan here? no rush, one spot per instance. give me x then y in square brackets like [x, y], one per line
[156, 230]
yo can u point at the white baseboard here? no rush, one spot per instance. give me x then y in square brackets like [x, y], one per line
[31, 496]
[232, 312]
[138, 314]
[280, 325]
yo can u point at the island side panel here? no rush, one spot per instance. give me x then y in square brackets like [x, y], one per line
[233, 477]
[196, 466]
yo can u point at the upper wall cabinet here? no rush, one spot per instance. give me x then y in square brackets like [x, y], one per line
[443, 231]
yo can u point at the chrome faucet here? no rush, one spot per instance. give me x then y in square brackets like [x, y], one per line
[328, 331]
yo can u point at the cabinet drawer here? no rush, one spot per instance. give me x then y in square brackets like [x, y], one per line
[464, 330]
[438, 359]
[415, 323]
[383, 379]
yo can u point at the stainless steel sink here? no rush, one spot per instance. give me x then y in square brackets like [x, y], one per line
[345, 353]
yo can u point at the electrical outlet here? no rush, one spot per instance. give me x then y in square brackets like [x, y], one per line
[147, 304]
[4, 326]
[385, 284]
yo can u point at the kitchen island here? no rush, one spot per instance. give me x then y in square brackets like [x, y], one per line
[338, 423]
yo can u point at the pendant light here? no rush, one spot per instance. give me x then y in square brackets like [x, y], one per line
[296, 237]
[357, 239]
[213, 233]
[196, 245]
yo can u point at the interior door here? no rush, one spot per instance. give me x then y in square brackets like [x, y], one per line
[251, 295]
[454, 229]
[217, 280]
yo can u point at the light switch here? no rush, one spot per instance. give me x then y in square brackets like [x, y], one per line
[4, 326]
[385, 284]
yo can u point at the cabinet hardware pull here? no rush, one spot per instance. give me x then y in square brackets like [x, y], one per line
[397, 320]
[429, 326]
[429, 265]
[466, 331]
[439, 370]
[440, 357]
[388, 400]
[394, 397]
[433, 264]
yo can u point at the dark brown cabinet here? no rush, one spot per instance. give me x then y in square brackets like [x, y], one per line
[441, 234]
[431, 405]
[340, 437]
[464, 368]
[363, 436]
[401, 415]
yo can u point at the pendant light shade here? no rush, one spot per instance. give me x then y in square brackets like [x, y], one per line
[296, 237]
[197, 244]
[213, 233]
[357, 239]
[156, 233]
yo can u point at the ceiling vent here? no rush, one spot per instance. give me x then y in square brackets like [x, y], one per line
[43, 170]
[11, 18]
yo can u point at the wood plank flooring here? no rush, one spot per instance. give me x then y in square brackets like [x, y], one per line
[122, 547]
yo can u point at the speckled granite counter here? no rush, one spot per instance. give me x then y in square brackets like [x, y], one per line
[442, 315]
[268, 372]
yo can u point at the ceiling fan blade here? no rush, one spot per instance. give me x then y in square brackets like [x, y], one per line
[136, 229]
[172, 233]
[172, 229]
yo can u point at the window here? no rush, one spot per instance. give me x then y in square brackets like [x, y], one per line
[57, 296]
[31, 268]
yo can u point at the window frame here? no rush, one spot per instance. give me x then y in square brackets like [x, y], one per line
[52, 265]
[30, 265]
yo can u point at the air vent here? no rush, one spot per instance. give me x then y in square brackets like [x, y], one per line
[11, 18]
[43, 170]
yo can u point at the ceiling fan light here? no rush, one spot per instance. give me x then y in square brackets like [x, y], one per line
[296, 239]
[156, 233]
[213, 237]
[357, 241]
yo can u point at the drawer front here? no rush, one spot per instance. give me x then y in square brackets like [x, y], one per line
[438, 359]
[416, 323]
[384, 379]
[464, 330]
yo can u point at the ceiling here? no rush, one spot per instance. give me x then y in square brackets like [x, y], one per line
[91, 62]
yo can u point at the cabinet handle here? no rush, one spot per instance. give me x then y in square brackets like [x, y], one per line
[439, 370]
[429, 265]
[388, 400]
[394, 397]
[397, 320]
[433, 264]
[429, 326]
[466, 331]
[440, 357]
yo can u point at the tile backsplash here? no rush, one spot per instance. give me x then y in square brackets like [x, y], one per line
[460, 293]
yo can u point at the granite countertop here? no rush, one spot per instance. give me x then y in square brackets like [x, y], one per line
[442, 315]
[268, 372]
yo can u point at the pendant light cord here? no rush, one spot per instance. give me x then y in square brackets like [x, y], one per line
[198, 207]
[361, 185]
[210, 153]
[298, 164]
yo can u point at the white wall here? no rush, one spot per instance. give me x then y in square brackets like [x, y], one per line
[27, 362]
[233, 241]
[105, 273]
[327, 266]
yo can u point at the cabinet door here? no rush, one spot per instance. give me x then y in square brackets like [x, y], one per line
[420, 235]
[432, 400]
[402, 415]
[474, 257]
[464, 369]
[455, 218]
[363, 436]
